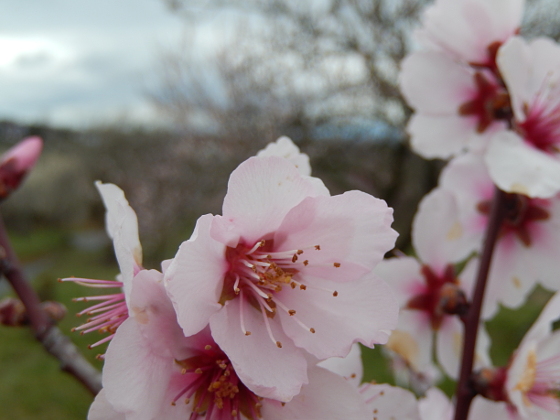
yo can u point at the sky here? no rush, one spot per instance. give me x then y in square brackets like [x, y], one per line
[79, 63]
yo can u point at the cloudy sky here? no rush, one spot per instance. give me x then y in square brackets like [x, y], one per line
[77, 63]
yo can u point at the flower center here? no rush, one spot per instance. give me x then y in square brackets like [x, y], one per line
[441, 296]
[541, 127]
[211, 384]
[260, 277]
[491, 102]
[521, 213]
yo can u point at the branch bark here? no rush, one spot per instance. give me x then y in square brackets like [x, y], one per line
[52, 339]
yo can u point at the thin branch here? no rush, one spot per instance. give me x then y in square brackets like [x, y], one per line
[52, 339]
[465, 391]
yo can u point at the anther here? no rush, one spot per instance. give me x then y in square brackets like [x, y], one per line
[312, 330]
[335, 293]
[294, 258]
[207, 347]
[302, 286]
[198, 370]
[279, 344]
[300, 251]
[306, 262]
[293, 285]
[336, 265]
[247, 332]
[292, 312]
[318, 247]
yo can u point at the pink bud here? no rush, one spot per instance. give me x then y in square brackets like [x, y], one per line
[17, 162]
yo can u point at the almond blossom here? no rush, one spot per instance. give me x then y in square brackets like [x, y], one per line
[457, 106]
[153, 371]
[526, 247]
[430, 291]
[526, 160]
[285, 273]
[470, 31]
[122, 228]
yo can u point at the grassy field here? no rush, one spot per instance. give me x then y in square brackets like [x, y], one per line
[33, 387]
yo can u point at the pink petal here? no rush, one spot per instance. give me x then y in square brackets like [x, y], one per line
[267, 370]
[151, 308]
[352, 229]
[388, 402]
[101, 409]
[438, 235]
[403, 275]
[284, 147]
[433, 83]
[449, 343]
[122, 227]
[261, 191]
[440, 136]
[326, 397]
[517, 167]
[135, 379]
[350, 367]
[373, 315]
[435, 406]
[194, 279]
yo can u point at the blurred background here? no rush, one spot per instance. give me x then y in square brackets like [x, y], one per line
[165, 99]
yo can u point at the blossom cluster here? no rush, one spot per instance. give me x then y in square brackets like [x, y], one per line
[259, 313]
[236, 324]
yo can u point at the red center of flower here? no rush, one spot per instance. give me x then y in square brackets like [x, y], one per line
[260, 276]
[541, 127]
[490, 103]
[441, 295]
[522, 212]
[213, 388]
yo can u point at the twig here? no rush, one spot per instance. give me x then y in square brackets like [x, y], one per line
[52, 339]
[465, 391]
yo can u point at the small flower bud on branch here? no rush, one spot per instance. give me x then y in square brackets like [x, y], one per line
[17, 162]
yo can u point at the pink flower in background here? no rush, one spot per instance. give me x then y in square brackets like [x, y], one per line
[122, 228]
[285, 272]
[470, 31]
[429, 289]
[456, 106]
[285, 147]
[533, 376]
[16, 163]
[526, 160]
[526, 249]
[152, 371]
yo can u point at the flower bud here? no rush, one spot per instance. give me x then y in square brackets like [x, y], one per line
[17, 162]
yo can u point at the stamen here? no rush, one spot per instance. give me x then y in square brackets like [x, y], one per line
[236, 284]
[292, 313]
[241, 317]
[256, 246]
[269, 330]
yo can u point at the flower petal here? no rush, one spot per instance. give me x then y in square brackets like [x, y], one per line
[285, 147]
[194, 279]
[326, 397]
[353, 231]
[101, 409]
[517, 167]
[267, 370]
[261, 191]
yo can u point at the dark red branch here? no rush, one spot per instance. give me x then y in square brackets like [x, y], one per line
[465, 389]
[52, 339]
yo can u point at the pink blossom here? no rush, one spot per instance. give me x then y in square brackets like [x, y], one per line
[122, 228]
[285, 272]
[526, 160]
[470, 31]
[285, 147]
[533, 377]
[152, 371]
[457, 106]
[525, 251]
[16, 163]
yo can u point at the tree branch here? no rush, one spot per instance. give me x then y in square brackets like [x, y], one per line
[52, 339]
